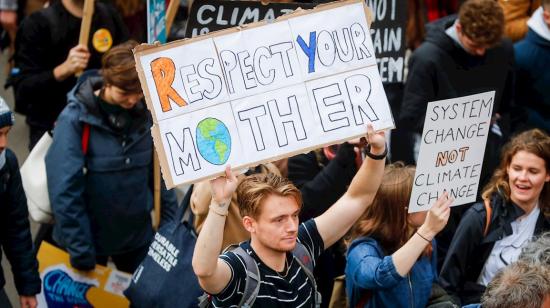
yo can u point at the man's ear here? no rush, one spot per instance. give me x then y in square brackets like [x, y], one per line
[458, 27]
[249, 224]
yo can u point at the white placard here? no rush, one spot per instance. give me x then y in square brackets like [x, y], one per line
[259, 59]
[244, 96]
[181, 79]
[451, 151]
[333, 41]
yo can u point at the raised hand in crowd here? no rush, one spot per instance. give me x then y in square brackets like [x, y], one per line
[435, 221]
[77, 61]
[28, 301]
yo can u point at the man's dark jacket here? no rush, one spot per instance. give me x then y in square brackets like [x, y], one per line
[15, 233]
[533, 79]
[43, 42]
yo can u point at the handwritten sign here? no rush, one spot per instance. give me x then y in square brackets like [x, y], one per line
[63, 286]
[387, 30]
[211, 15]
[388, 36]
[245, 96]
[451, 151]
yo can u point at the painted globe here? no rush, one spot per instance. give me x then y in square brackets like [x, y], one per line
[213, 141]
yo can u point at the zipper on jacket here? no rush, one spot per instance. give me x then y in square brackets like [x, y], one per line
[411, 298]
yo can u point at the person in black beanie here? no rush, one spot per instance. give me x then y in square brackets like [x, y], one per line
[15, 233]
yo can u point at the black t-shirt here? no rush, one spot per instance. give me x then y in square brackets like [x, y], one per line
[276, 290]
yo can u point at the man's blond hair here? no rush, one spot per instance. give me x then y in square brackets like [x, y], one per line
[254, 189]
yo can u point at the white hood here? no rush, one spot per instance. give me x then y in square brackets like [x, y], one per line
[537, 24]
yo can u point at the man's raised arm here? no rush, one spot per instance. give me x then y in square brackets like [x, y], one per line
[213, 273]
[341, 216]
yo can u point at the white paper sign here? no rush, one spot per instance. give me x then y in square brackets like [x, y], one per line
[451, 151]
[245, 96]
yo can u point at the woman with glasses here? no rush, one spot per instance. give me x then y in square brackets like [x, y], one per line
[515, 207]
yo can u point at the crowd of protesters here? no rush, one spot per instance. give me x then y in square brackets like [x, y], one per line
[301, 221]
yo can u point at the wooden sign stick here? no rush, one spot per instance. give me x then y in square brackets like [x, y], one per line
[156, 191]
[171, 12]
[85, 25]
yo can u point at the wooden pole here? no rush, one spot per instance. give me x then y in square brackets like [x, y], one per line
[156, 195]
[171, 12]
[85, 25]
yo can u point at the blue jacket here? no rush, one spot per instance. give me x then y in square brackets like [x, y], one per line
[533, 78]
[102, 200]
[15, 232]
[369, 268]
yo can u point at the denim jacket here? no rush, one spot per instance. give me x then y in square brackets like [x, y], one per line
[370, 268]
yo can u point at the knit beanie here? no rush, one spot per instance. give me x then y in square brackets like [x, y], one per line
[6, 116]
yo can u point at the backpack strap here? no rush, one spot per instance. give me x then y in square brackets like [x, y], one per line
[252, 282]
[304, 259]
[489, 214]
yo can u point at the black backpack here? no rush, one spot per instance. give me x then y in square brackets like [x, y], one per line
[252, 283]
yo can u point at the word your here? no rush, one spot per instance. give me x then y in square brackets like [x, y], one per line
[347, 44]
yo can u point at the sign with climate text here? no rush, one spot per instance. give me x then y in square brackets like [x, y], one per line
[451, 150]
[261, 92]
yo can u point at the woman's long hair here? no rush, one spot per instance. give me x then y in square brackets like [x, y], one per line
[533, 141]
[386, 218]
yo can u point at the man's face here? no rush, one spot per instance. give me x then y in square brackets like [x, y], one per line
[471, 46]
[4, 137]
[118, 96]
[276, 228]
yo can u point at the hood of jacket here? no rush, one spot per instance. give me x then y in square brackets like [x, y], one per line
[537, 24]
[435, 33]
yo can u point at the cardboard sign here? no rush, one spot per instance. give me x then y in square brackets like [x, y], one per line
[262, 92]
[387, 30]
[451, 151]
[65, 287]
[156, 21]
[388, 36]
[211, 15]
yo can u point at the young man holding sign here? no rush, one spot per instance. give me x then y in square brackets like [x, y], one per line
[269, 206]
[462, 55]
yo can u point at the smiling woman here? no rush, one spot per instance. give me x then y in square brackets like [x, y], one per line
[518, 201]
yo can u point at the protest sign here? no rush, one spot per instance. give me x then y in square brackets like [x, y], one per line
[451, 151]
[156, 21]
[387, 30]
[211, 15]
[63, 286]
[388, 35]
[249, 95]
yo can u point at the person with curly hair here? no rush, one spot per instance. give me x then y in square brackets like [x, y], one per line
[492, 233]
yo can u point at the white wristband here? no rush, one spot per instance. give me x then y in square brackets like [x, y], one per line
[220, 209]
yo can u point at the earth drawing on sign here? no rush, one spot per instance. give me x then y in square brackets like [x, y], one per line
[213, 141]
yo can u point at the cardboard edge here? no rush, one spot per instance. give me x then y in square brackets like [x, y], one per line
[145, 89]
[145, 49]
[164, 167]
